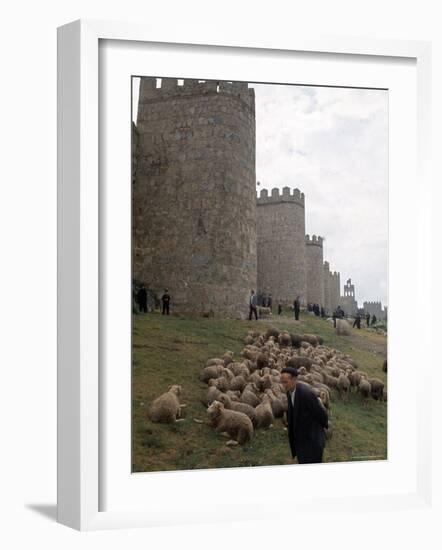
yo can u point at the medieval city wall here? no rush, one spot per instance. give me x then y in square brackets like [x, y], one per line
[314, 256]
[194, 201]
[281, 245]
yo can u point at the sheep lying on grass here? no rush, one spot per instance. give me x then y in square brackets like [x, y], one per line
[236, 424]
[166, 407]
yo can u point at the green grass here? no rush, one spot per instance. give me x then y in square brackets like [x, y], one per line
[173, 350]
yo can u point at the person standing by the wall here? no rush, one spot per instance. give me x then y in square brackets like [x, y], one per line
[367, 319]
[253, 306]
[165, 298]
[297, 307]
[279, 309]
[357, 321]
[142, 299]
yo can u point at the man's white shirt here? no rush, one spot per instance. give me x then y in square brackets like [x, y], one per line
[292, 397]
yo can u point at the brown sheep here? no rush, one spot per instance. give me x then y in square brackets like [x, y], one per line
[234, 395]
[238, 407]
[296, 340]
[212, 395]
[262, 361]
[343, 386]
[249, 397]
[166, 407]
[237, 383]
[214, 361]
[276, 403]
[330, 381]
[377, 388]
[228, 358]
[212, 371]
[271, 331]
[221, 383]
[310, 339]
[297, 362]
[264, 413]
[264, 383]
[365, 391]
[355, 378]
[284, 339]
[237, 424]
[239, 369]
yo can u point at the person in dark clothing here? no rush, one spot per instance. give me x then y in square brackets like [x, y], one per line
[357, 321]
[373, 320]
[334, 317]
[142, 299]
[296, 307]
[367, 319]
[306, 417]
[279, 309]
[165, 298]
[340, 314]
[322, 312]
[269, 302]
[253, 306]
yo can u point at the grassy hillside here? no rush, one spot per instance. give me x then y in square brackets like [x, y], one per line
[173, 350]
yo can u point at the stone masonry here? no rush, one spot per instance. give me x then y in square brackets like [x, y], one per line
[194, 201]
[314, 256]
[281, 245]
[198, 227]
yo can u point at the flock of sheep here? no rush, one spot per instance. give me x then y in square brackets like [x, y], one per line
[246, 394]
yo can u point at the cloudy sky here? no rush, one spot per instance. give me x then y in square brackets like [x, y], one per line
[332, 144]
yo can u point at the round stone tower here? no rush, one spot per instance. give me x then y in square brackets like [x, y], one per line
[327, 289]
[194, 202]
[314, 257]
[281, 245]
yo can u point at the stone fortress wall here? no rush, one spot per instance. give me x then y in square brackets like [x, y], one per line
[314, 261]
[194, 205]
[198, 228]
[281, 248]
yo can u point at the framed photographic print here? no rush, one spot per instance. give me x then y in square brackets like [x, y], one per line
[234, 221]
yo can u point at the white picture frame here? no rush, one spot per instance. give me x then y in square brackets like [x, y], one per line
[79, 322]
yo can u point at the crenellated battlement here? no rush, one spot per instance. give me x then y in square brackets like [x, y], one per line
[377, 304]
[276, 196]
[314, 240]
[154, 89]
[327, 266]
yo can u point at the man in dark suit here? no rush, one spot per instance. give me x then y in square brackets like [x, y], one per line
[142, 299]
[297, 307]
[306, 417]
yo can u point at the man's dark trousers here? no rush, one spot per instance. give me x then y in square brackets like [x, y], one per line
[253, 311]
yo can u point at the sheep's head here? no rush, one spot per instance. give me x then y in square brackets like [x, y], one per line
[175, 389]
[215, 408]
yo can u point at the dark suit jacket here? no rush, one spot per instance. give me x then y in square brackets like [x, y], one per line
[306, 420]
